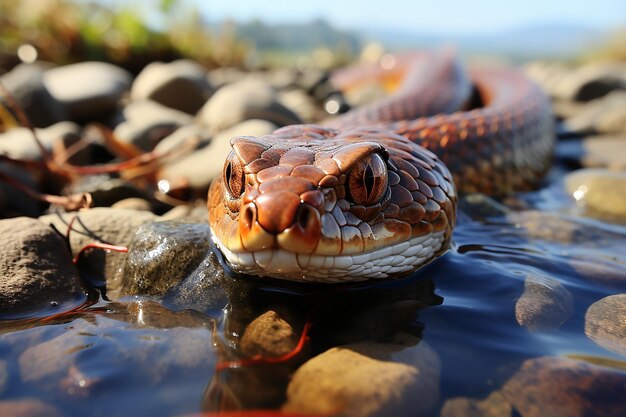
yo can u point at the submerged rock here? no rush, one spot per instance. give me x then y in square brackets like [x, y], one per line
[495, 405]
[545, 304]
[269, 336]
[28, 407]
[596, 191]
[38, 275]
[605, 323]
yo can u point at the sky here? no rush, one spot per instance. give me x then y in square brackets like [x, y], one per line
[420, 16]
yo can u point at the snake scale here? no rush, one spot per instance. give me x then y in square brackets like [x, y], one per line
[373, 193]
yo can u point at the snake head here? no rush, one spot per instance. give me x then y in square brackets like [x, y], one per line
[307, 203]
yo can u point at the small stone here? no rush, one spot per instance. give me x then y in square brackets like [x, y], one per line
[133, 203]
[221, 76]
[545, 304]
[182, 136]
[180, 85]
[200, 168]
[27, 407]
[268, 336]
[250, 98]
[100, 224]
[596, 192]
[87, 89]
[362, 380]
[148, 122]
[38, 275]
[19, 143]
[554, 386]
[591, 81]
[605, 323]
[604, 151]
[495, 405]
[197, 214]
[25, 83]
[162, 254]
[301, 103]
[603, 115]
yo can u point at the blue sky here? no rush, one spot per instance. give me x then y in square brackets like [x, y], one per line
[434, 16]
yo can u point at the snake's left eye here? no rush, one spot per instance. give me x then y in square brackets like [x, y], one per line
[367, 181]
[234, 177]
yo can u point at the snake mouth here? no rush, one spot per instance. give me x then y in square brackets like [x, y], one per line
[393, 260]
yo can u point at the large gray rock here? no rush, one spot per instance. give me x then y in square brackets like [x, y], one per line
[180, 85]
[605, 323]
[25, 83]
[598, 193]
[100, 224]
[554, 386]
[544, 305]
[87, 89]
[367, 379]
[38, 275]
[250, 98]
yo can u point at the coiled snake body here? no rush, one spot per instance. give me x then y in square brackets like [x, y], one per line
[369, 195]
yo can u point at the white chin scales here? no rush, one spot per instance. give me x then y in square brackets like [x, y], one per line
[396, 259]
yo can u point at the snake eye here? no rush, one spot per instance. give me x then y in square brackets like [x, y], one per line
[234, 178]
[367, 181]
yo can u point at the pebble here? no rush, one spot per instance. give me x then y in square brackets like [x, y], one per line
[28, 407]
[268, 336]
[603, 115]
[180, 85]
[162, 254]
[133, 203]
[555, 386]
[110, 225]
[544, 305]
[250, 98]
[591, 81]
[597, 193]
[200, 168]
[362, 380]
[19, 143]
[38, 276]
[87, 90]
[219, 77]
[147, 123]
[25, 83]
[605, 323]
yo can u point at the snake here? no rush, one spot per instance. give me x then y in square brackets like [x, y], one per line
[372, 194]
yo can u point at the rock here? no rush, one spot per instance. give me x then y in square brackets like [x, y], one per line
[182, 136]
[197, 214]
[180, 85]
[162, 254]
[603, 115]
[221, 76]
[27, 407]
[302, 104]
[201, 167]
[545, 304]
[600, 270]
[495, 405]
[596, 192]
[268, 336]
[554, 386]
[592, 81]
[361, 380]
[133, 203]
[147, 123]
[604, 151]
[605, 323]
[25, 83]
[18, 143]
[37, 271]
[109, 225]
[87, 89]
[249, 98]
[105, 190]
[548, 75]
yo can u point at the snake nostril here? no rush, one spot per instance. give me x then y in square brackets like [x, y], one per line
[303, 217]
[248, 216]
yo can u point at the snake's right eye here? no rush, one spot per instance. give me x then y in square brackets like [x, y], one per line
[234, 177]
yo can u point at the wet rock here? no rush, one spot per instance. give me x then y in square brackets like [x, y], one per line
[605, 323]
[495, 405]
[545, 304]
[37, 272]
[87, 89]
[100, 224]
[603, 115]
[162, 254]
[596, 192]
[269, 336]
[249, 98]
[201, 167]
[180, 85]
[553, 386]
[18, 143]
[133, 203]
[367, 379]
[147, 123]
[28, 407]
[25, 83]
[592, 81]
[604, 151]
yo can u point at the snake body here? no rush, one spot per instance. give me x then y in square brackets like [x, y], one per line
[372, 194]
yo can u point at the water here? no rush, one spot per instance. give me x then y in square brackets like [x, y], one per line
[140, 357]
